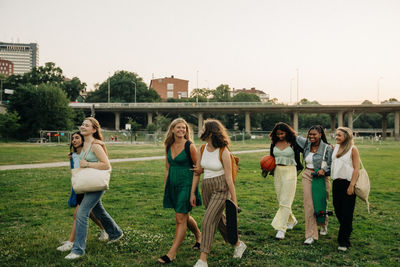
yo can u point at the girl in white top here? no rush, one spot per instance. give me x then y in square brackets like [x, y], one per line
[344, 172]
[217, 186]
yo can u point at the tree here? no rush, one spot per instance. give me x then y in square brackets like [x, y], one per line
[200, 94]
[9, 124]
[240, 118]
[48, 73]
[122, 89]
[221, 93]
[246, 97]
[41, 107]
[305, 101]
[73, 88]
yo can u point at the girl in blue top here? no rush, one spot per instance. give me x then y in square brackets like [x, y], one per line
[315, 150]
[75, 150]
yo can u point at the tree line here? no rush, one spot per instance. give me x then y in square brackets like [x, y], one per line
[41, 97]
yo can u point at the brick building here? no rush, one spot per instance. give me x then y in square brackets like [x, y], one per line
[170, 87]
[6, 67]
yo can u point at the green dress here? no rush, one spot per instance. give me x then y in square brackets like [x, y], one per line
[179, 184]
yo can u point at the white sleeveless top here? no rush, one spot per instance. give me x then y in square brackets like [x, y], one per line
[211, 164]
[342, 167]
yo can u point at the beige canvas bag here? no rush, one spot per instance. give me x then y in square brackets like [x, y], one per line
[362, 186]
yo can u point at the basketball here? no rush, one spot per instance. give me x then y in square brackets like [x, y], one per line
[267, 163]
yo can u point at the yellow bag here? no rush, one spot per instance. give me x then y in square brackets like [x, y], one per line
[362, 186]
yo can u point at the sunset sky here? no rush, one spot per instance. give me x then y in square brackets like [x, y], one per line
[341, 48]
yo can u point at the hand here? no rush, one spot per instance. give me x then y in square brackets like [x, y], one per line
[198, 170]
[192, 200]
[321, 173]
[83, 163]
[350, 190]
[70, 155]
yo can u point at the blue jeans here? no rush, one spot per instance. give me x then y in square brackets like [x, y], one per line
[92, 202]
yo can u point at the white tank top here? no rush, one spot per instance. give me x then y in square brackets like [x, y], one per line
[342, 167]
[211, 164]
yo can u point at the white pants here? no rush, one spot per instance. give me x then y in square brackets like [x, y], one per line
[285, 179]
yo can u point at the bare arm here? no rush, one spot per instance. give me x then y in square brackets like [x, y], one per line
[102, 164]
[355, 156]
[196, 178]
[226, 160]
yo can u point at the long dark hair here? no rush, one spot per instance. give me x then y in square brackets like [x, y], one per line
[319, 129]
[290, 133]
[71, 147]
[219, 135]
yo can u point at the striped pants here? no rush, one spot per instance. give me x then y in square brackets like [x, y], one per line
[214, 192]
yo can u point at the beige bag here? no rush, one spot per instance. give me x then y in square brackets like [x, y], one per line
[89, 179]
[362, 186]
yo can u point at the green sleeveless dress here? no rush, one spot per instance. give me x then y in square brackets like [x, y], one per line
[179, 184]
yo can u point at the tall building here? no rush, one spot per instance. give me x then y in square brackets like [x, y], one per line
[6, 67]
[23, 56]
[170, 87]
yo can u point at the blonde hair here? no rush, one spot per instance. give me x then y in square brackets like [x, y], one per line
[97, 134]
[348, 140]
[169, 136]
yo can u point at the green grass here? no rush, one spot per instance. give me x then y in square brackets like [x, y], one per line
[35, 216]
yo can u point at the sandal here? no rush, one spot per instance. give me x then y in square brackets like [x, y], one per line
[166, 260]
[196, 246]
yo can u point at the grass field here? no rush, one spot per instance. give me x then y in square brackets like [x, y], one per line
[35, 216]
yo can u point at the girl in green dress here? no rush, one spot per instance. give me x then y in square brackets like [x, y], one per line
[181, 155]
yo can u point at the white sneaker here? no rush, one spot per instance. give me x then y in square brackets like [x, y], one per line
[103, 236]
[290, 226]
[67, 246]
[342, 248]
[280, 235]
[201, 263]
[116, 239]
[239, 250]
[72, 256]
[309, 241]
[324, 230]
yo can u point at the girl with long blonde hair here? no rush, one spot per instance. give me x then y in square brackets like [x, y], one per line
[344, 172]
[181, 154]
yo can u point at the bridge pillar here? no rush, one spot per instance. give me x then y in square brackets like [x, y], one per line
[117, 120]
[199, 123]
[384, 125]
[333, 122]
[340, 118]
[295, 121]
[247, 122]
[396, 125]
[350, 120]
[149, 118]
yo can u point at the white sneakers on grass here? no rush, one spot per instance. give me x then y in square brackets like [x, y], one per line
[72, 256]
[103, 236]
[116, 239]
[290, 226]
[239, 250]
[66, 246]
[309, 241]
[201, 263]
[280, 235]
[324, 230]
[342, 248]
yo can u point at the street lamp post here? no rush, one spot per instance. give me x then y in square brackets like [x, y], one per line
[108, 88]
[379, 83]
[135, 90]
[297, 71]
[291, 82]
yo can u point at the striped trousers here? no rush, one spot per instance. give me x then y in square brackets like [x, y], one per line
[214, 192]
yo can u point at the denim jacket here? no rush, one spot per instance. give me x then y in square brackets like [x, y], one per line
[317, 157]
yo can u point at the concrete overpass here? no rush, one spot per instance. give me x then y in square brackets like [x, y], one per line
[248, 108]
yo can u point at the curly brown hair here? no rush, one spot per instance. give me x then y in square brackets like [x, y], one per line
[218, 132]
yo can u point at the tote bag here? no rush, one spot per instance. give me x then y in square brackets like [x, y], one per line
[89, 179]
[362, 186]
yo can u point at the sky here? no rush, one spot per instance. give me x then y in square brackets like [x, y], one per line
[333, 51]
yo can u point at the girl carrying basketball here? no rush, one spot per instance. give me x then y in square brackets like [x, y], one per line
[286, 152]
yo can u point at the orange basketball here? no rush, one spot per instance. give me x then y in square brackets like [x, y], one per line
[267, 163]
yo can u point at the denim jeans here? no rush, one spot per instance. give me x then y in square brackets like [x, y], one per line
[92, 202]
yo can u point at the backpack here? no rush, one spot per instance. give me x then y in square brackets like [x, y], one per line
[234, 160]
[187, 151]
